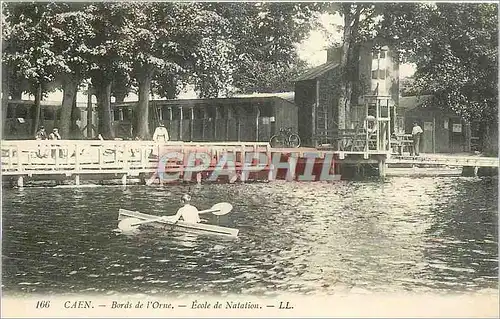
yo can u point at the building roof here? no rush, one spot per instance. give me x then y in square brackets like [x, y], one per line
[46, 104]
[316, 72]
[289, 96]
[206, 101]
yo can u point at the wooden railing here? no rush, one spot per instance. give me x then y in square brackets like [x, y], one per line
[76, 156]
[473, 161]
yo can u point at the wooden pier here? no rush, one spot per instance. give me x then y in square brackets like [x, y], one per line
[84, 159]
[77, 160]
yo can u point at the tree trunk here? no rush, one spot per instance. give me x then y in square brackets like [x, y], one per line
[344, 91]
[347, 61]
[120, 97]
[38, 110]
[103, 94]
[141, 127]
[70, 87]
[5, 100]
[171, 91]
[75, 116]
[16, 93]
[490, 138]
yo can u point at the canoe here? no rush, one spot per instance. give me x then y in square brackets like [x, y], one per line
[179, 225]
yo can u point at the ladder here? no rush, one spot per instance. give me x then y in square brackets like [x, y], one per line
[322, 125]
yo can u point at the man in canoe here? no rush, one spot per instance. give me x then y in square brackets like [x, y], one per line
[188, 212]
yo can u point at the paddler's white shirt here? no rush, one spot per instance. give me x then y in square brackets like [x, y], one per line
[416, 129]
[189, 214]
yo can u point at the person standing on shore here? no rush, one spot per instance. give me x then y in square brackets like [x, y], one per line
[416, 132]
[161, 134]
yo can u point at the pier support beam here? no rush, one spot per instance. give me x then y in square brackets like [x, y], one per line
[142, 178]
[20, 181]
[487, 171]
[77, 179]
[469, 171]
[382, 168]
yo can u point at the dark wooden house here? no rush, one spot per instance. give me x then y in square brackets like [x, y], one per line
[252, 118]
[444, 131]
[317, 92]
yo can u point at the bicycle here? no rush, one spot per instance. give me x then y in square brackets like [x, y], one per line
[285, 138]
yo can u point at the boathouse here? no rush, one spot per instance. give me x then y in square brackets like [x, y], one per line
[444, 131]
[20, 117]
[247, 118]
[254, 117]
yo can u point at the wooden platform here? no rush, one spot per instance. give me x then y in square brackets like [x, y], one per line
[133, 158]
[445, 160]
[144, 159]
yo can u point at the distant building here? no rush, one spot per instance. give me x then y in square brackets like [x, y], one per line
[20, 117]
[444, 131]
[317, 91]
[253, 117]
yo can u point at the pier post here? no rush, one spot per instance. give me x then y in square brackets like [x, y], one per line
[292, 160]
[20, 181]
[382, 167]
[142, 178]
[124, 179]
[469, 171]
[77, 179]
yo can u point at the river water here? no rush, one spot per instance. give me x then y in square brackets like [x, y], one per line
[403, 234]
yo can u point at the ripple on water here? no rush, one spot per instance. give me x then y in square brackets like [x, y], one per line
[420, 234]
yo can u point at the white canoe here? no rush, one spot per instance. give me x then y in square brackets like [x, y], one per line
[200, 227]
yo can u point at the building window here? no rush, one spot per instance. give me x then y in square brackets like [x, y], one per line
[381, 74]
[382, 54]
[375, 74]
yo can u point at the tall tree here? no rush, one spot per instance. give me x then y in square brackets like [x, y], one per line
[28, 58]
[72, 31]
[108, 57]
[265, 35]
[155, 36]
[454, 47]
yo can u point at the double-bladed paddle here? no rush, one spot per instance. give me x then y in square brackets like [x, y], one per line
[130, 224]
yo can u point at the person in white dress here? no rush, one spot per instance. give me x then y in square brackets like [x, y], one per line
[161, 134]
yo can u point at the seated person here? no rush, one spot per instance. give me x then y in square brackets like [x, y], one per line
[188, 212]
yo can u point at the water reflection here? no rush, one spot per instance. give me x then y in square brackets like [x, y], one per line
[415, 234]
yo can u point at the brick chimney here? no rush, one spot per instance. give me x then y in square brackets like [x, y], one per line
[334, 54]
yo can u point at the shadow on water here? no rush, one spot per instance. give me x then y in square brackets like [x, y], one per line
[416, 234]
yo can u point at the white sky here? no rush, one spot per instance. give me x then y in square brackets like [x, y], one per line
[312, 50]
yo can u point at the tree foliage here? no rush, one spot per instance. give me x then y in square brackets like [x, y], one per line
[454, 47]
[153, 47]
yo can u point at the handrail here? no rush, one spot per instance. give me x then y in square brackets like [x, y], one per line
[21, 156]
